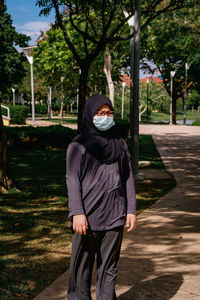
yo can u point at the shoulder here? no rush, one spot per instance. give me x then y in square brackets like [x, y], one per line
[124, 144]
[75, 147]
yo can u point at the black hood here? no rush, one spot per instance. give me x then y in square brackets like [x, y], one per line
[103, 145]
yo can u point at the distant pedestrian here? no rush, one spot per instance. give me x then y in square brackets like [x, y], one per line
[101, 200]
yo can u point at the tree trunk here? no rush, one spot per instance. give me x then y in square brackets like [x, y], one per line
[108, 72]
[67, 108]
[61, 107]
[6, 182]
[82, 92]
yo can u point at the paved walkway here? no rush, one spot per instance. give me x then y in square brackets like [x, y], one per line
[161, 258]
[39, 121]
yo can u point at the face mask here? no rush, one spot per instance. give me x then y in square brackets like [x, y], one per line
[103, 123]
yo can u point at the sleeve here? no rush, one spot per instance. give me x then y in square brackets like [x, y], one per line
[73, 169]
[129, 183]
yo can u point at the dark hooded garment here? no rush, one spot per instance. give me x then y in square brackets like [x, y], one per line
[98, 175]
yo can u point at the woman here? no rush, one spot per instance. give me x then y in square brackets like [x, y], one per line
[101, 200]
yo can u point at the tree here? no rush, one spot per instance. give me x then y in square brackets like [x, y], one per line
[98, 26]
[11, 71]
[170, 41]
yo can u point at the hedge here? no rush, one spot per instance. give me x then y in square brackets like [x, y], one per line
[41, 109]
[55, 136]
[18, 113]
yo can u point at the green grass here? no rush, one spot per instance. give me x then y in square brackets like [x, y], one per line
[35, 238]
[196, 123]
[157, 116]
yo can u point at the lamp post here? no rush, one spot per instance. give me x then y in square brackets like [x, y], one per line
[131, 23]
[134, 23]
[172, 73]
[148, 81]
[187, 66]
[123, 86]
[28, 52]
[62, 98]
[49, 102]
[13, 90]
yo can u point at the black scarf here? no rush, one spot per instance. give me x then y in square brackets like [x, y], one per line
[103, 145]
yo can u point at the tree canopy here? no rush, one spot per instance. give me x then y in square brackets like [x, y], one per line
[170, 41]
[11, 69]
[98, 27]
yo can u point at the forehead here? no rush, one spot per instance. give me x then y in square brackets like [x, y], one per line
[104, 107]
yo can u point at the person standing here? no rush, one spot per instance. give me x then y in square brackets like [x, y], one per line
[102, 200]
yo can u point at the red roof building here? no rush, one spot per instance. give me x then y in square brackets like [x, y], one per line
[125, 78]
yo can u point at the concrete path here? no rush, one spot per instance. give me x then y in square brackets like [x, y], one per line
[40, 121]
[161, 258]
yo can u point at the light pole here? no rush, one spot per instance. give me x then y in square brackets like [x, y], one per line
[62, 98]
[49, 102]
[77, 100]
[13, 90]
[187, 66]
[172, 73]
[123, 86]
[131, 23]
[28, 52]
[148, 81]
[134, 23]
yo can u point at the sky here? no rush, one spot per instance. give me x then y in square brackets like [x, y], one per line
[26, 19]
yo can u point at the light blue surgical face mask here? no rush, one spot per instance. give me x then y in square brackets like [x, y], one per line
[103, 123]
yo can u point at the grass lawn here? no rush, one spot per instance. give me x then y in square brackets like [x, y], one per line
[196, 123]
[35, 238]
[156, 116]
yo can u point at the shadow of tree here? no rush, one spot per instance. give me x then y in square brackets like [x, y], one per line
[159, 288]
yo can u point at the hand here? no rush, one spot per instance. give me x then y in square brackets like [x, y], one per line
[131, 222]
[80, 224]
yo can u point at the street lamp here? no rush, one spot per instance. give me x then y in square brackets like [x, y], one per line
[187, 66]
[77, 100]
[148, 81]
[13, 90]
[28, 52]
[123, 86]
[172, 73]
[131, 23]
[62, 98]
[49, 102]
[135, 28]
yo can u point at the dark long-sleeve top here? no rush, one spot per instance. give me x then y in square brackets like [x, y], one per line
[105, 193]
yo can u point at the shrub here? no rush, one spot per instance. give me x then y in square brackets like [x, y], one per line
[18, 113]
[122, 128]
[196, 123]
[55, 136]
[41, 109]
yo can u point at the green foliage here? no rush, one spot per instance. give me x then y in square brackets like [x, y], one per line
[55, 136]
[170, 41]
[196, 123]
[11, 69]
[18, 113]
[95, 25]
[193, 99]
[41, 109]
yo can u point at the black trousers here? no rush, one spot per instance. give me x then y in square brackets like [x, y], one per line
[106, 246]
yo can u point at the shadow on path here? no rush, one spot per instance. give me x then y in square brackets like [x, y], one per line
[162, 287]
